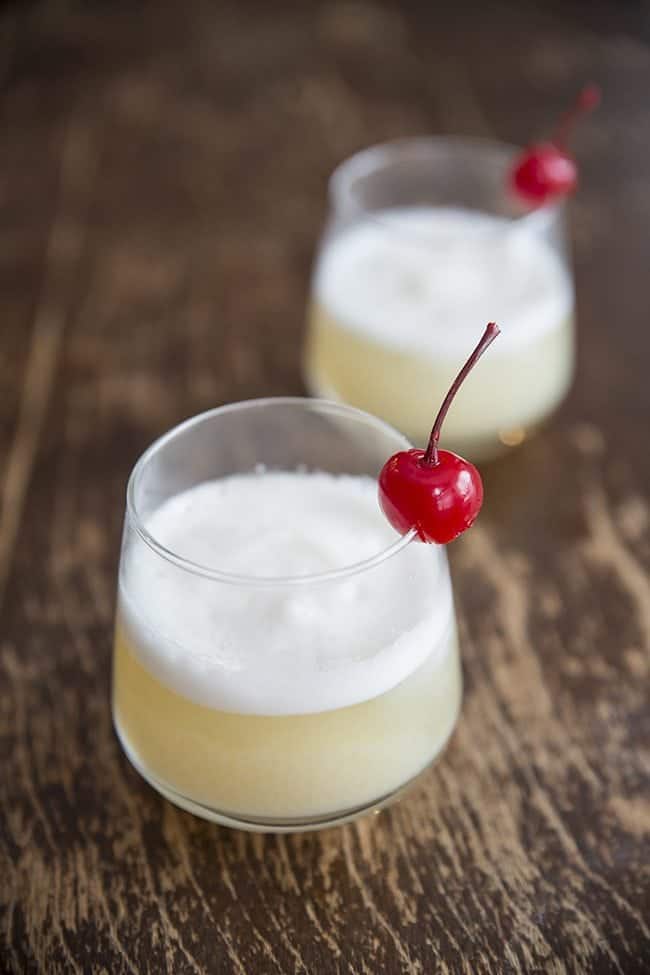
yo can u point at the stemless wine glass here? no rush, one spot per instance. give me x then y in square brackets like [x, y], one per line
[423, 246]
[267, 701]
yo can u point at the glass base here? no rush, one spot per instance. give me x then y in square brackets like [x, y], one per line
[262, 824]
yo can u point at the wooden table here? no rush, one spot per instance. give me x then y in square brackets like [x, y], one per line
[162, 182]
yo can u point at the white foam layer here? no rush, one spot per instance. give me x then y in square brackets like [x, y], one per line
[282, 649]
[428, 278]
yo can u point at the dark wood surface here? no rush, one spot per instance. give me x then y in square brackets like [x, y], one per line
[162, 182]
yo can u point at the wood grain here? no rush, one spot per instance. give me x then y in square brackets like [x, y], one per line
[162, 185]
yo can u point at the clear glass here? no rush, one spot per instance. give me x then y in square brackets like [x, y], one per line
[422, 247]
[309, 744]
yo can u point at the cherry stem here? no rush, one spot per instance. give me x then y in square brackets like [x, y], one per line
[489, 335]
[586, 101]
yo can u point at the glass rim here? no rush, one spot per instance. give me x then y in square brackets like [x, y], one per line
[245, 580]
[373, 157]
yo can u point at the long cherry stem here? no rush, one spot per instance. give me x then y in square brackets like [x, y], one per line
[586, 101]
[489, 335]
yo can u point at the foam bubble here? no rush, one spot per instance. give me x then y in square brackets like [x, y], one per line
[427, 279]
[282, 649]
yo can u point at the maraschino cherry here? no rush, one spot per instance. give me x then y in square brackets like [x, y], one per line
[546, 171]
[434, 491]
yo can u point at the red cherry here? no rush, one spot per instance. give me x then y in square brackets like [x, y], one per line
[434, 491]
[546, 171]
[440, 501]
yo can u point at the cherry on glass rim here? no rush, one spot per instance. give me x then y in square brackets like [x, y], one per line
[434, 491]
[546, 170]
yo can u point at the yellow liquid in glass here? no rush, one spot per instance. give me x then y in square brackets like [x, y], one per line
[288, 766]
[508, 394]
